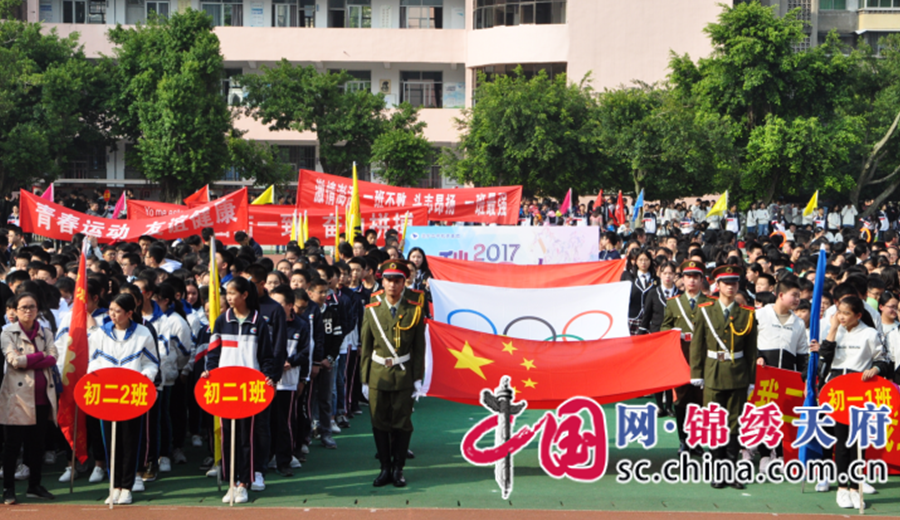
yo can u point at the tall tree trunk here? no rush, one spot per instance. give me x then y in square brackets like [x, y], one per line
[770, 193]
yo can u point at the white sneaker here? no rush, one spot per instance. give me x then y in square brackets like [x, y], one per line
[114, 498]
[746, 454]
[868, 489]
[295, 463]
[197, 441]
[272, 463]
[843, 499]
[178, 457]
[213, 472]
[165, 465]
[124, 498]
[22, 472]
[854, 498]
[97, 475]
[138, 484]
[241, 496]
[334, 427]
[227, 498]
[50, 457]
[67, 475]
[304, 449]
[259, 483]
[822, 486]
[764, 463]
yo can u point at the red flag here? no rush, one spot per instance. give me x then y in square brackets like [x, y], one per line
[199, 197]
[620, 211]
[526, 276]
[48, 193]
[599, 201]
[75, 368]
[548, 373]
[566, 203]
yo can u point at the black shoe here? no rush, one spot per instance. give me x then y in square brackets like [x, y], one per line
[697, 451]
[399, 480]
[718, 485]
[384, 478]
[737, 485]
[670, 411]
[410, 454]
[39, 492]
[682, 447]
[662, 412]
[285, 471]
[9, 496]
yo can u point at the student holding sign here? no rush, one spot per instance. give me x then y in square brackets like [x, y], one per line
[122, 343]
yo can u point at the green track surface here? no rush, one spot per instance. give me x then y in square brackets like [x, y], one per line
[439, 478]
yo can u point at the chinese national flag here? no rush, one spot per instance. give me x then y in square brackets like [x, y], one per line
[599, 200]
[545, 374]
[75, 368]
[201, 196]
[620, 210]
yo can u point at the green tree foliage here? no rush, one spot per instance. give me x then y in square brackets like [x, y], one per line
[402, 150]
[768, 91]
[346, 123]
[51, 103]
[651, 140]
[169, 101]
[258, 160]
[541, 133]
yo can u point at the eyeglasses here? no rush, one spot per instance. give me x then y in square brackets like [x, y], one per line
[28, 308]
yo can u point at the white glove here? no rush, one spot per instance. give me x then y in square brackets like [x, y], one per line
[417, 393]
[750, 390]
[697, 382]
[365, 390]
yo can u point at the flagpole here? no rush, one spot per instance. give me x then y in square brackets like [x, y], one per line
[74, 449]
[112, 465]
[231, 466]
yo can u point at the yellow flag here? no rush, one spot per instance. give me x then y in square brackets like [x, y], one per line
[305, 227]
[294, 236]
[267, 197]
[355, 215]
[214, 310]
[813, 204]
[720, 207]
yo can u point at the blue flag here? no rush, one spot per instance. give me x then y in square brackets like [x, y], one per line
[813, 450]
[639, 203]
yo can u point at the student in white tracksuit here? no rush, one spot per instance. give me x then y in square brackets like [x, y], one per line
[123, 343]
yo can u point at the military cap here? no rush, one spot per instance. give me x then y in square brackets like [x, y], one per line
[394, 268]
[727, 273]
[692, 267]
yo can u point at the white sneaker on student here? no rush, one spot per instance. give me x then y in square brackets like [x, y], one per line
[138, 485]
[196, 441]
[165, 465]
[227, 498]
[868, 489]
[822, 486]
[97, 475]
[272, 463]
[213, 472]
[854, 498]
[304, 449]
[22, 472]
[114, 498]
[67, 475]
[259, 483]
[178, 456]
[295, 463]
[241, 496]
[334, 427]
[124, 498]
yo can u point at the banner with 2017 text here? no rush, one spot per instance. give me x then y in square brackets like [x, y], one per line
[508, 244]
[271, 224]
[563, 314]
[494, 205]
[225, 215]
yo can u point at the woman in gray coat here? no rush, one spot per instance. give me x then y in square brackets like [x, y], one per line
[27, 396]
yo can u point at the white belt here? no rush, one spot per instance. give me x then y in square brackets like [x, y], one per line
[391, 361]
[723, 356]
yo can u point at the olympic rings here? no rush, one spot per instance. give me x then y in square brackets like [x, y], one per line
[554, 335]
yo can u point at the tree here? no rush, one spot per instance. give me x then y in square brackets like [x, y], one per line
[258, 160]
[541, 133]
[346, 122]
[661, 143]
[169, 101]
[756, 79]
[52, 103]
[403, 151]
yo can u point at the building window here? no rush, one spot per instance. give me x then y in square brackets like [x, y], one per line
[299, 157]
[350, 13]
[422, 89]
[529, 70]
[880, 4]
[362, 80]
[493, 13]
[833, 5]
[79, 11]
[90, 165]
[227, 13]
[231, 90]
[293, 13]
[421, 14]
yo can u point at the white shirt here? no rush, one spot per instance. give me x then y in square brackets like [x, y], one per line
[848, 215]
[825, 323]
[892, 342]
[772, 335]
[857, 349]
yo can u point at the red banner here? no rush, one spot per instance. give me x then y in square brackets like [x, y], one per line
[75, 368]
[546, 374]
[115, 394]
[270, 225]
[495, 205]
[784, 388]
[234, 392]
[526, 276]
[226, 215]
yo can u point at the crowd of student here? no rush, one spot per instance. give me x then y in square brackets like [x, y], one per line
[296, 319]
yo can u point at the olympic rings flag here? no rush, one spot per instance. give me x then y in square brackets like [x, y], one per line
[565, 314]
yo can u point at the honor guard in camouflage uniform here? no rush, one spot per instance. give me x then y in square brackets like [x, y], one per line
[723, 357]
[682, 312]
[392, 366]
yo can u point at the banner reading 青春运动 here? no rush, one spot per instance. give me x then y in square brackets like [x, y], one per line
[560, 314]
[507, 244]
[494, 205]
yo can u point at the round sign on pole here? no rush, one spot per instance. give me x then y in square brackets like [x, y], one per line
[234, 392]
[115, 394]
[106, 195]
[850, 390]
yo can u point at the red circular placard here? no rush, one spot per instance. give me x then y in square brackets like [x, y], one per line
[849, 390]
[115, 394]
[234, 392]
